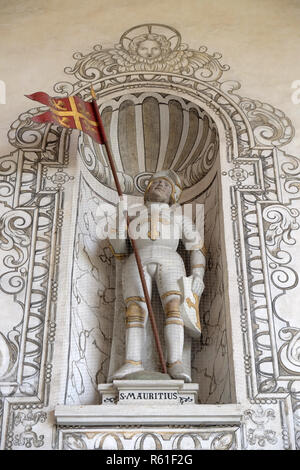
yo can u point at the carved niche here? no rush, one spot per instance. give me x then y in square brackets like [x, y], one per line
[170, 110]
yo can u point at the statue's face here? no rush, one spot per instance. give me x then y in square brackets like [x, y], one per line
[159, 191]
[149, 49]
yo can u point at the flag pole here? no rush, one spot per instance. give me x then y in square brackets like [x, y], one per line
[133, 244]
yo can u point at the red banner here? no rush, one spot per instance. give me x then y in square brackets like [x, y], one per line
[71, 112]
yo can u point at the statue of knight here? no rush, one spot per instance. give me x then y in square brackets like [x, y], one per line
[163, 264]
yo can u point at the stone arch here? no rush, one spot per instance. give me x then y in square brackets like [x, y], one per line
[216, 343]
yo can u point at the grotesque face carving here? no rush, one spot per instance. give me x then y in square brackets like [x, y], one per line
[160, 190]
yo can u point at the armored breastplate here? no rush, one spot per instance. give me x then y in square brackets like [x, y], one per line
[156, 226]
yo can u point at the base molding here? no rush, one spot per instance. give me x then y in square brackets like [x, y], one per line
[134, 438]
[151, 415]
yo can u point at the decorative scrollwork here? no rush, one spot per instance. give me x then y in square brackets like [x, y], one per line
[260, 435]
[41, 140]
[8, 357]
[270, 125]
[74, 442]
[145, 48]
[14, 232]
[284, 278]
[279, 222]
[26, 133]
[223, 441]
[282, 220]
[171, 66]
[290, 166]
[8, 168]
[290, 351]
[143, 439]
[28, 437]
[15, 238]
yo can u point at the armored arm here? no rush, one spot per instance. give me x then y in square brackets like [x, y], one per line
[198, 268]
[194, 243]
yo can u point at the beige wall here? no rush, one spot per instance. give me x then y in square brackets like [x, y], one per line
[259, 39]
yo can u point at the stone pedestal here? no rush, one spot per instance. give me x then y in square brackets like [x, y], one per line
[148, 392]
[149, 414]
[148, 402]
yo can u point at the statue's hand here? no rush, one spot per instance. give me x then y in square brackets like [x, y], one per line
[197, 284]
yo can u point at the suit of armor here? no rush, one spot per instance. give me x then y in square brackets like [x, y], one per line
[157, 229]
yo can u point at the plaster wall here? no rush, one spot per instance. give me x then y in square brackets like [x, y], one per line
[260, 42]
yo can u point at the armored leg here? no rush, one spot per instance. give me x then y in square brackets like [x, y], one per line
[174, 337]
[135, 323]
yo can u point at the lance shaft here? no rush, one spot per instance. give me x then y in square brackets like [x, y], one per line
[133, 244]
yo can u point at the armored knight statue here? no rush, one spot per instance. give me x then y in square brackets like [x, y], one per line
[160, 226]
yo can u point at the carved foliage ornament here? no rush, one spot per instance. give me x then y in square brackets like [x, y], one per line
[155, 53]
[152, 55]
[148, 48]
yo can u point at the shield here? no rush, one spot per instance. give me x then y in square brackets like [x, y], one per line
[189, 308]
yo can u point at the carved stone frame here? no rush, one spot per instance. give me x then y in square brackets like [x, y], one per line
[258, 181]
